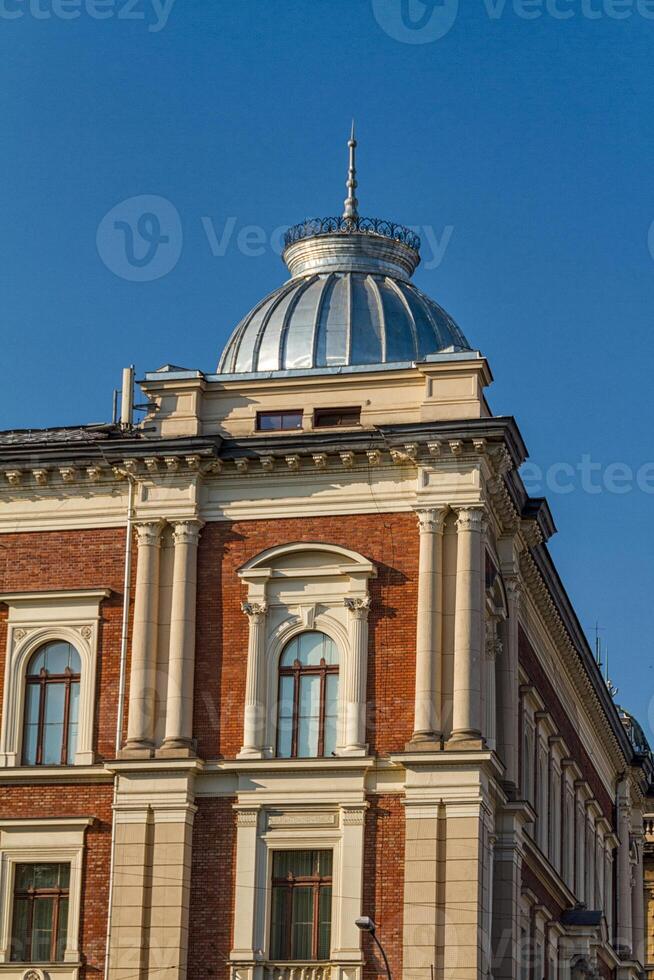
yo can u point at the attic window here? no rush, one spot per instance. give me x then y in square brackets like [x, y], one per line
[279, 421]
[327, 417]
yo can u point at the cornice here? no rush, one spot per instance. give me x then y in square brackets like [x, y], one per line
[69, 595]
[53, 775]
[547, 875]
[42, 471]
[25, 823]
[556, 611]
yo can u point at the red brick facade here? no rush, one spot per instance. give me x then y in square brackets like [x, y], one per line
[390, 541]
[93, 559]
[40, 561]
[212, 889]
[383, 895]
[76, 801]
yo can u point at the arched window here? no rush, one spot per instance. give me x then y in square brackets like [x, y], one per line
[51, 705]
[308, 697]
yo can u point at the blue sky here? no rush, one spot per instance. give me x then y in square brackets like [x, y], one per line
[518, 135]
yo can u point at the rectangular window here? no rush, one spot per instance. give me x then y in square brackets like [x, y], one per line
[279, 421]
[301, 905]
[327, 417]
[40, 913]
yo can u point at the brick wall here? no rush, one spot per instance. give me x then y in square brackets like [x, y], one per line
[212, 889]
[383, 888]
[76, 801]
[388, 540]
[41, 561]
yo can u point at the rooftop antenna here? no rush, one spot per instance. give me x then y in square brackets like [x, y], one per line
[598, 644]
[127, 398]
[351, 203]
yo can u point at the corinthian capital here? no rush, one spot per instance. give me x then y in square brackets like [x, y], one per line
[471, 519]
[359, 606]
[187, 532]
[493, 642]
[255, 610]
[149, 533]
[431, 521]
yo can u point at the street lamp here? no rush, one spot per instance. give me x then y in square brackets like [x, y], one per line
[365, 924]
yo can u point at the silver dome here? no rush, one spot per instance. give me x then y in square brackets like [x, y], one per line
[350, 301]
[340, 318]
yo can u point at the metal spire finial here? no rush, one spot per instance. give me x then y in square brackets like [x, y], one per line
[351, 202]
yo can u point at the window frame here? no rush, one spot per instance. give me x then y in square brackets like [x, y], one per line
[282, 413]
[35, 618]
[317, 883]
[59, 840]
[297, 671]
[43, 679]
[33, 895]
[318, 413]
[303, 585]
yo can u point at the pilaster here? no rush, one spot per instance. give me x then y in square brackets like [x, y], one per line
[181, 658]
[254, 716]
[427, 718]
[467, 723]
[355, 677]
[140, 724]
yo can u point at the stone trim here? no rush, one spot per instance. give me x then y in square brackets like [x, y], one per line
[48, 840]
[36, 618]
[289, 592]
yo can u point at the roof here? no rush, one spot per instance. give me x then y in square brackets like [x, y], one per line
[340, 318]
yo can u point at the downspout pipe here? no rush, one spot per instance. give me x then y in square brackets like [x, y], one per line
[124, 633]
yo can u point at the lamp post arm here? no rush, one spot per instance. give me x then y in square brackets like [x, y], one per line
[384, 957]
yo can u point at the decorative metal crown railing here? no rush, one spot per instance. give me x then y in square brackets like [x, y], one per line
[346, 226]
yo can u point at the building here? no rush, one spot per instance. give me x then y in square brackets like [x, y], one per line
[292, 650]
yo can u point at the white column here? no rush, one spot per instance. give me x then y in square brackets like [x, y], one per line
[427, 718]
[608, 889]
[624, 932]
[638, 892]
[354, 697]
[492, 652]
[247, 896]
[509, 687]
[254, 725]
[181, 657]
[346, 938]
[466, 715]
[140, 723]
[580, 836]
